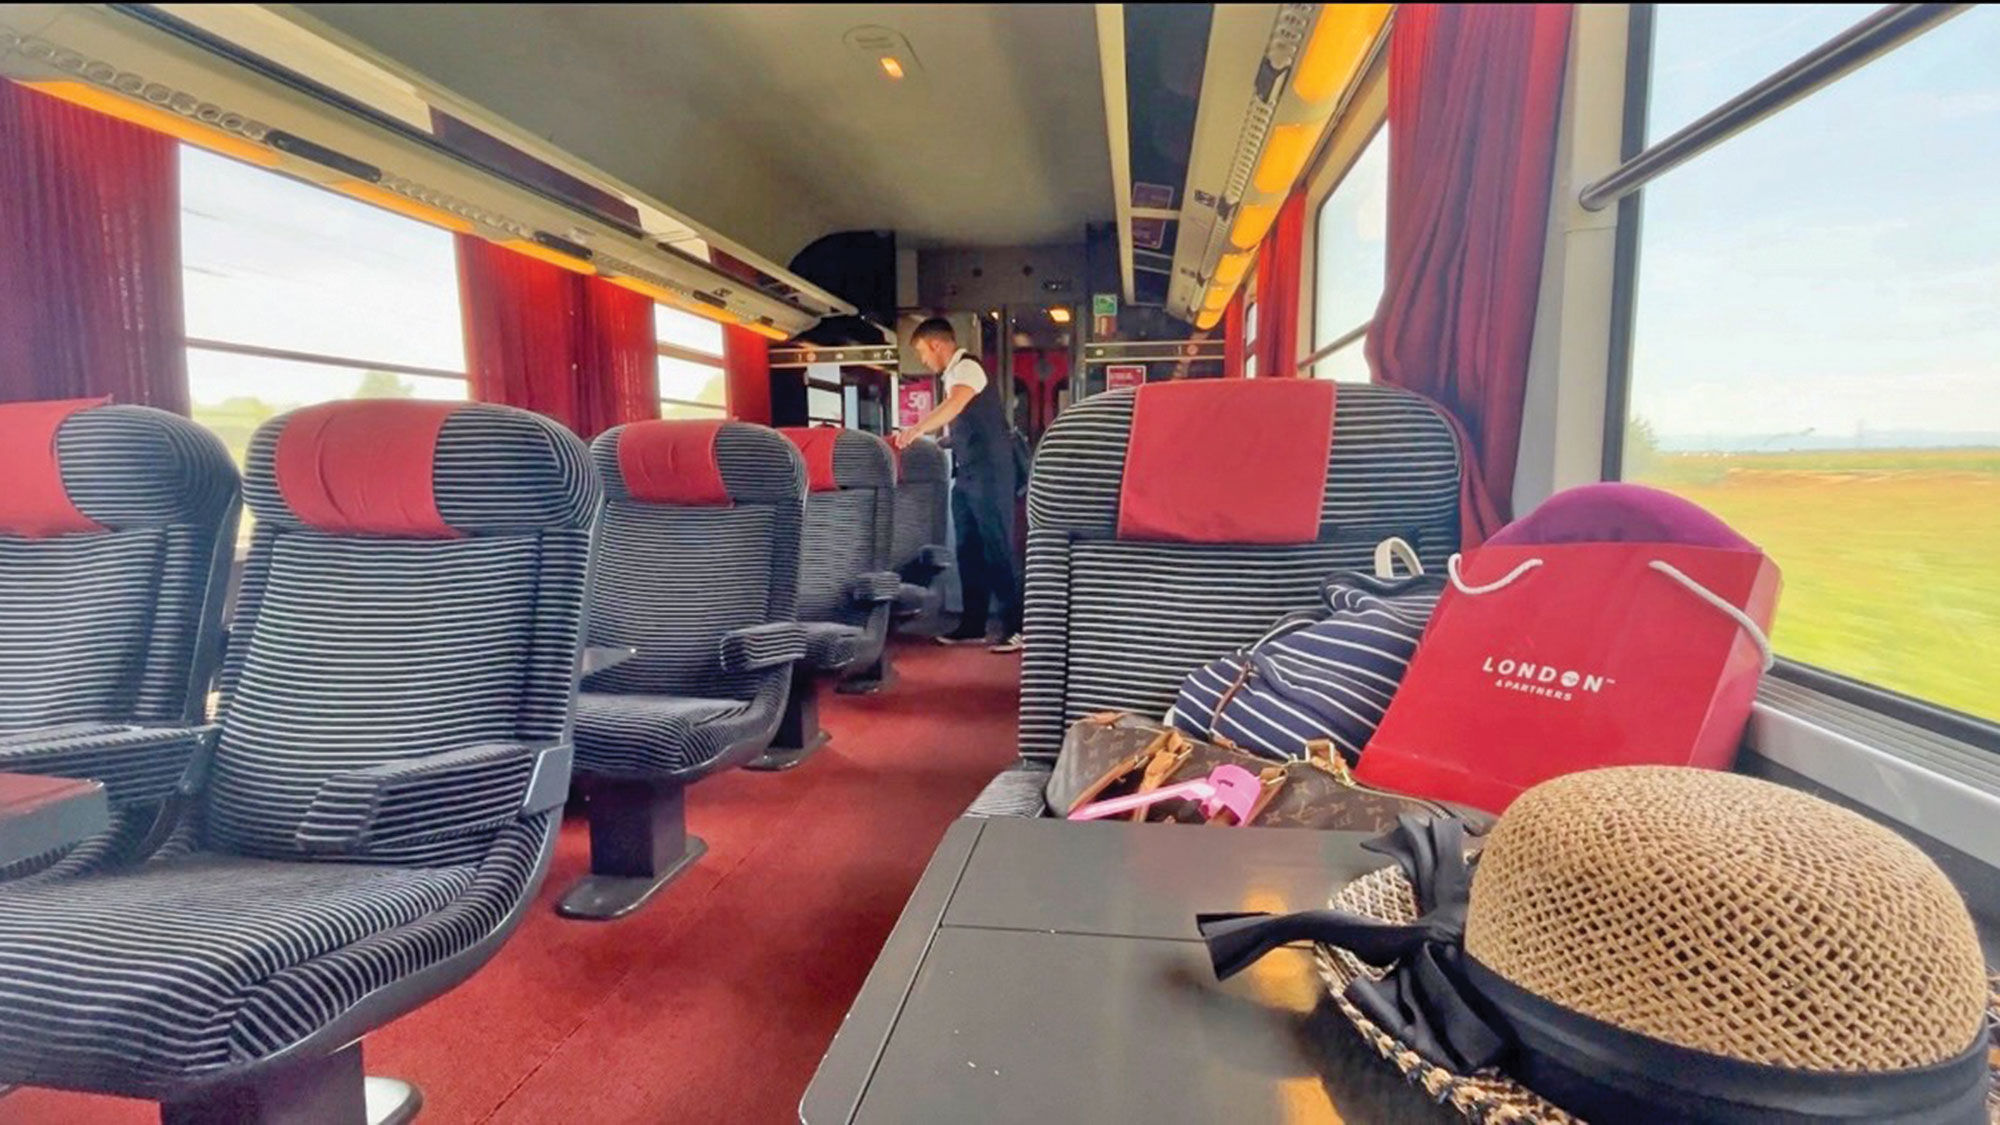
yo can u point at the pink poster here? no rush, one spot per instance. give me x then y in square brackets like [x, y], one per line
[916, 398]
[1118, 375]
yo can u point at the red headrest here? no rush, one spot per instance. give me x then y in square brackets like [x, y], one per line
[672, 463]
[816, 445]
[1227, 461]
[364, 468]
[33, 502]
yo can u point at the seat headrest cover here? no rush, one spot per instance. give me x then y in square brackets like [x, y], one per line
[816, 444]
[923, 460]
[1615, 512]
[34, 504]
[1227, 461]
[364, 468]
[670, 462]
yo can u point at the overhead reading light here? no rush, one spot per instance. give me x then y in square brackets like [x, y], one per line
[886, 50]
[1218, 297]
[409, 208]
[149, 116]
[552, 257]
[1230, 268]
[1340, 40]
[1253, 221]
[1285, 152]
[1059, 314]
[1207, 319]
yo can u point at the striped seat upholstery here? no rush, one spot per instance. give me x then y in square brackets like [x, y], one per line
[116, 524]
[395, 714]
[846, 588]
[1115, 624]
[686, 577]
[923, 512]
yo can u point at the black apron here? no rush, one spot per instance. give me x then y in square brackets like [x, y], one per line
[982, 451]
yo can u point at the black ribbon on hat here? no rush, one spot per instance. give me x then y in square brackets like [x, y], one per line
[1461, 1016]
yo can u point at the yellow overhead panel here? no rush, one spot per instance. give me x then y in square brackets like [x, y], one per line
[1285, 153]
[552, 257]
[1218, 297]
[402, 205]
[1230, 268]
[703, 309]
[1208, 319]
[1336, 48]
[149, 116]
[767, 331]
[1253, 222]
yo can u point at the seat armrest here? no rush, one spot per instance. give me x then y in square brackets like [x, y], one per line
[875, 587]
[937, 558]
[434, 797]
[137, 765]
[754, 648]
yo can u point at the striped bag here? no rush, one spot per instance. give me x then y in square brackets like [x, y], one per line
[1324, 674]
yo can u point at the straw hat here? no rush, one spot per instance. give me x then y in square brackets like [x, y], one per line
[1660, 944]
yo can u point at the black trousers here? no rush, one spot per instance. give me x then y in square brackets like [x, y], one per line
[982, 512]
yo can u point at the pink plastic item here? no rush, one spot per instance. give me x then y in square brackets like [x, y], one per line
[1226, 787]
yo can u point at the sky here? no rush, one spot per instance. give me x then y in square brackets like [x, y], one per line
[1833, 271]
[275, 262]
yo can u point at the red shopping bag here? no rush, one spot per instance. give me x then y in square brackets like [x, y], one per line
[1545, 658]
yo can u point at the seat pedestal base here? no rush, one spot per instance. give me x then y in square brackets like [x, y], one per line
[799, 734]
[639, 843]
[330, 1090]
[871, 679]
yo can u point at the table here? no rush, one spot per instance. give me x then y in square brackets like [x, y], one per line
[1046, 970]
[40, 814]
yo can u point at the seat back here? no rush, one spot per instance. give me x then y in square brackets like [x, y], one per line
[700, 536]
[1174, 523]
[850, 512]
[923, 502]
[416, 583]
[116, 528]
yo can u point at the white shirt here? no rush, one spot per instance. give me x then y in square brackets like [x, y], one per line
[963, 371]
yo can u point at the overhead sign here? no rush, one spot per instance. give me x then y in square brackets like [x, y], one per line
[1104, 304]
[1118, 375]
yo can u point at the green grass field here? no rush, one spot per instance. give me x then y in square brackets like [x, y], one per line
[1891, 558]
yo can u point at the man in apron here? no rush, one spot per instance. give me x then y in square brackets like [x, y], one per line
[983, 484]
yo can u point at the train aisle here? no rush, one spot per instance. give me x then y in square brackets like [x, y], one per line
[714, 1002]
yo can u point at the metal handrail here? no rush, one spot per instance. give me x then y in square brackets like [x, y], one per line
[1882, 31]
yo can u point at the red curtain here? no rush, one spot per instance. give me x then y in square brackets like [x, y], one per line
[746, 360]
[578, 349]
[90, 256]
[1233, 357]
[1474, 95]
[1278, 292]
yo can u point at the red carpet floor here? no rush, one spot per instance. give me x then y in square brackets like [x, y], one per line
[715, 1002]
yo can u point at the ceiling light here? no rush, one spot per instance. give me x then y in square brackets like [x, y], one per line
[1059, 314]
[891, 67]
[149, 116]
[768, 331]
[1339, 42]
[1218, 298]
[1207, 319]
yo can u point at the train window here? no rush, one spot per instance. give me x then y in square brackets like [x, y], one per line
[692, 381]
[1352, 233]
[297, 295]
[1816, 351]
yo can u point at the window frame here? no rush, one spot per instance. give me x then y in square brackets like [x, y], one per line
[1363, 117]
[718, 360]
[1959, 726]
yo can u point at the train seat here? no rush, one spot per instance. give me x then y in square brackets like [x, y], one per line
[116, 526]
[918, 545]
[1157, 543]
[698, 573]
[383, 799]
[846, 591]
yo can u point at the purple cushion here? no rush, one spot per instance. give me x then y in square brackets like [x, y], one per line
[1620, 513]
